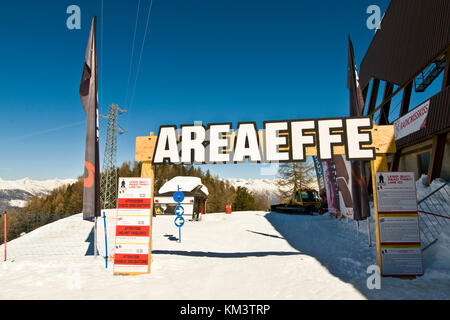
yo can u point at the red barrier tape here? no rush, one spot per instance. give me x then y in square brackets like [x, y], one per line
[434, 214]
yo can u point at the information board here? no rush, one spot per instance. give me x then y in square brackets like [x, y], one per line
[396, 192]
[398, 223]
[133, 226]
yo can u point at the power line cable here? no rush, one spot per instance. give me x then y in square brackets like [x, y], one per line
[140, 59]
[132, 52]
[101, 56]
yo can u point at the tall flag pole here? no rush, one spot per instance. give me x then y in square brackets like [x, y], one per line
[89, 100]
[361, 209]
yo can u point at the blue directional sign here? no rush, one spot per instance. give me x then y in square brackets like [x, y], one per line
[179, 222]
[178, 196]
[179, 210]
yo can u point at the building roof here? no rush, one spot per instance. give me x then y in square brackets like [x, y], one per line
[412, 34]
[186, 184]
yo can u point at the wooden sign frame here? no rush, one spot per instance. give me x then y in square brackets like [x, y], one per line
[383, 141]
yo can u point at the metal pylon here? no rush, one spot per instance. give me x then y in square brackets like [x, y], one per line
[109, 175]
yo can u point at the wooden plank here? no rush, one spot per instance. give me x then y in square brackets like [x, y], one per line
[145, 147]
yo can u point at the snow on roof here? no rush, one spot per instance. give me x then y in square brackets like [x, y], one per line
[187, 184]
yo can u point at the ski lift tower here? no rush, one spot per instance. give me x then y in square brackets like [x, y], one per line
[109, 176]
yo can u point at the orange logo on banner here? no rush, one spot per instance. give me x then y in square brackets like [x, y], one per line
[89, 181]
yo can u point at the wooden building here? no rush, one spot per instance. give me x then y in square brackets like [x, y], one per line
[410, 55]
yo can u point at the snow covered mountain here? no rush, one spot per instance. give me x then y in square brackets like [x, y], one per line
[13, 194]
[267, 187]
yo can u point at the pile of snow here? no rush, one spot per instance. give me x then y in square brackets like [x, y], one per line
[186, 184]
[438, 255]
[17, 203]
[423, 190]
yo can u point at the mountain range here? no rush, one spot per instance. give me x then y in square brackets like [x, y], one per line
[14, 193]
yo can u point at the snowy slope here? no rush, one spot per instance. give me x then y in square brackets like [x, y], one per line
[14, 193]
[245, 255]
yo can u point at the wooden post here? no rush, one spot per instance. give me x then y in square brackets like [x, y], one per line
[145, 147]
[373, 96]
[406, 99]
[382, 140]
[148, 171]
[377, 165]
[384, 111]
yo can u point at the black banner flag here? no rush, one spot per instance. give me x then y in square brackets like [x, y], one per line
[88, 95]
[361, 209]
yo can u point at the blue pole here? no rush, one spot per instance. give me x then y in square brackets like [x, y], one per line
[179, 236]
[106, 241]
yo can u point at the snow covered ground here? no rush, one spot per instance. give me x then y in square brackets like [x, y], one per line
[245, 255]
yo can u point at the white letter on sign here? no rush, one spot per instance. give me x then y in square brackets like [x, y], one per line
[273, 141]
[355, 138]
[217, 143]
[188, 143]
[246, 132]
[326, 139]
[300, 141]
[167, 137]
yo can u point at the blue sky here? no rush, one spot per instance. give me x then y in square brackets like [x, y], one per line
[203, 60]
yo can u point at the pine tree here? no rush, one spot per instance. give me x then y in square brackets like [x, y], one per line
[295, 176]
[244, 200]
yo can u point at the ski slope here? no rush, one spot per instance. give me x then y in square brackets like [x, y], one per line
[245, 255]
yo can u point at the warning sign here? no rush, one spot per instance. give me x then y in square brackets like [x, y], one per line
[133, 226]
[396, 192]
[398, 223]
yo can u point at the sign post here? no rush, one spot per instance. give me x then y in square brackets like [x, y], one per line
[179, 211]
[133, 226]
[398, 224]
[359, 139]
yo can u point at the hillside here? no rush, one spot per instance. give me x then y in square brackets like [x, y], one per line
[13, 193]
[266, 187]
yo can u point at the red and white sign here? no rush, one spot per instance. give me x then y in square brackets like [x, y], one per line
[413, 121]
[133, 226]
